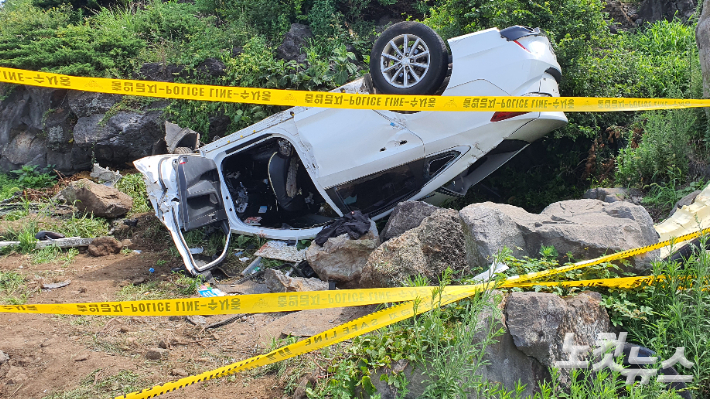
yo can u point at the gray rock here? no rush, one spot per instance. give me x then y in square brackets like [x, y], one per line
[656, 10]
[161, 72]
[406, 216]
[31, 120]
[157, 354]
[702, 37]
[178, 372]
[538, 323]
[585, 229]
[427, 250]
[84, 104]
[26, 148]
[504, 364]
[3, 357]
[211, 67]
[685, 201]
[125, 137]
[341, 259]
[613, 194]
[97, 199]
[292, 46]
[276, 281]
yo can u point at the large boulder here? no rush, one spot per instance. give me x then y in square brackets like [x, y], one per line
[341, 259]
[406, 216]
[427, 250]
[538, 323]
[584, 229]
[119, 139]
[98, 199]
[534, 327]
[35, 128]
[291, 49]
[656, 10]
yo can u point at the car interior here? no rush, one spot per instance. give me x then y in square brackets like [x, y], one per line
[270, 187]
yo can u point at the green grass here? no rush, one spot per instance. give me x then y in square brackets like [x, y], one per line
[134, 185]
[54, 254]
[178, 285]
[123, 382]
[13, 288]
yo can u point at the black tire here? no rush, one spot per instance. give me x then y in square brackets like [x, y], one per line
[183, 150]
[679, 387]
[431, 77]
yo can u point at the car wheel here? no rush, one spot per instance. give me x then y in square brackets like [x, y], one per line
[408, 58]
[679, 387]
[182, 150]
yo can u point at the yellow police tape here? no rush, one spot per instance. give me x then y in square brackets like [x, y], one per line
[511, 281]
[620, 282]
[340, 333]
[293, 98]
[233, 304]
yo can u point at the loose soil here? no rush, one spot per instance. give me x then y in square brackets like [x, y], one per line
[57, 354]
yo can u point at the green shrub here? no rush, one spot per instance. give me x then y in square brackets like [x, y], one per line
[663, 149]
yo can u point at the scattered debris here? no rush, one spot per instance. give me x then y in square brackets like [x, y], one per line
[253, 267]
[497, 267]
[244, 259]
[206, 291]
[224, 322]
[197, 320]
[105, 176]
[44, 235]
[277, 281]
[69, 242]
[53, 286]
[280, 250]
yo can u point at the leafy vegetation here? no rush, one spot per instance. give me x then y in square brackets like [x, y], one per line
[134, 185]
[13, 288]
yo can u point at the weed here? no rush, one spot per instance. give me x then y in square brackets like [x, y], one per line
[30, 176]
[93, 386]
[134, 185]
[27, 240]
[54, 254]
[13, 288]
[178, 285]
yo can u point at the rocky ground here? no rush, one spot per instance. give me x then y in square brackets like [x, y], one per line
[91, 356]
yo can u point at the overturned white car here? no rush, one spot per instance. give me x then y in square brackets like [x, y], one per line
[288, 175]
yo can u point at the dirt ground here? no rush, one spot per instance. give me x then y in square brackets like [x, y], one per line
[58, 356]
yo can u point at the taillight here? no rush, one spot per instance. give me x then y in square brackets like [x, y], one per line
[501, 116]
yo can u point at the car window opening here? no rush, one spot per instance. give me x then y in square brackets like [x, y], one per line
[270, 187]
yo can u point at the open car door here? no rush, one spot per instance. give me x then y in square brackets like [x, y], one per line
[185, 191]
